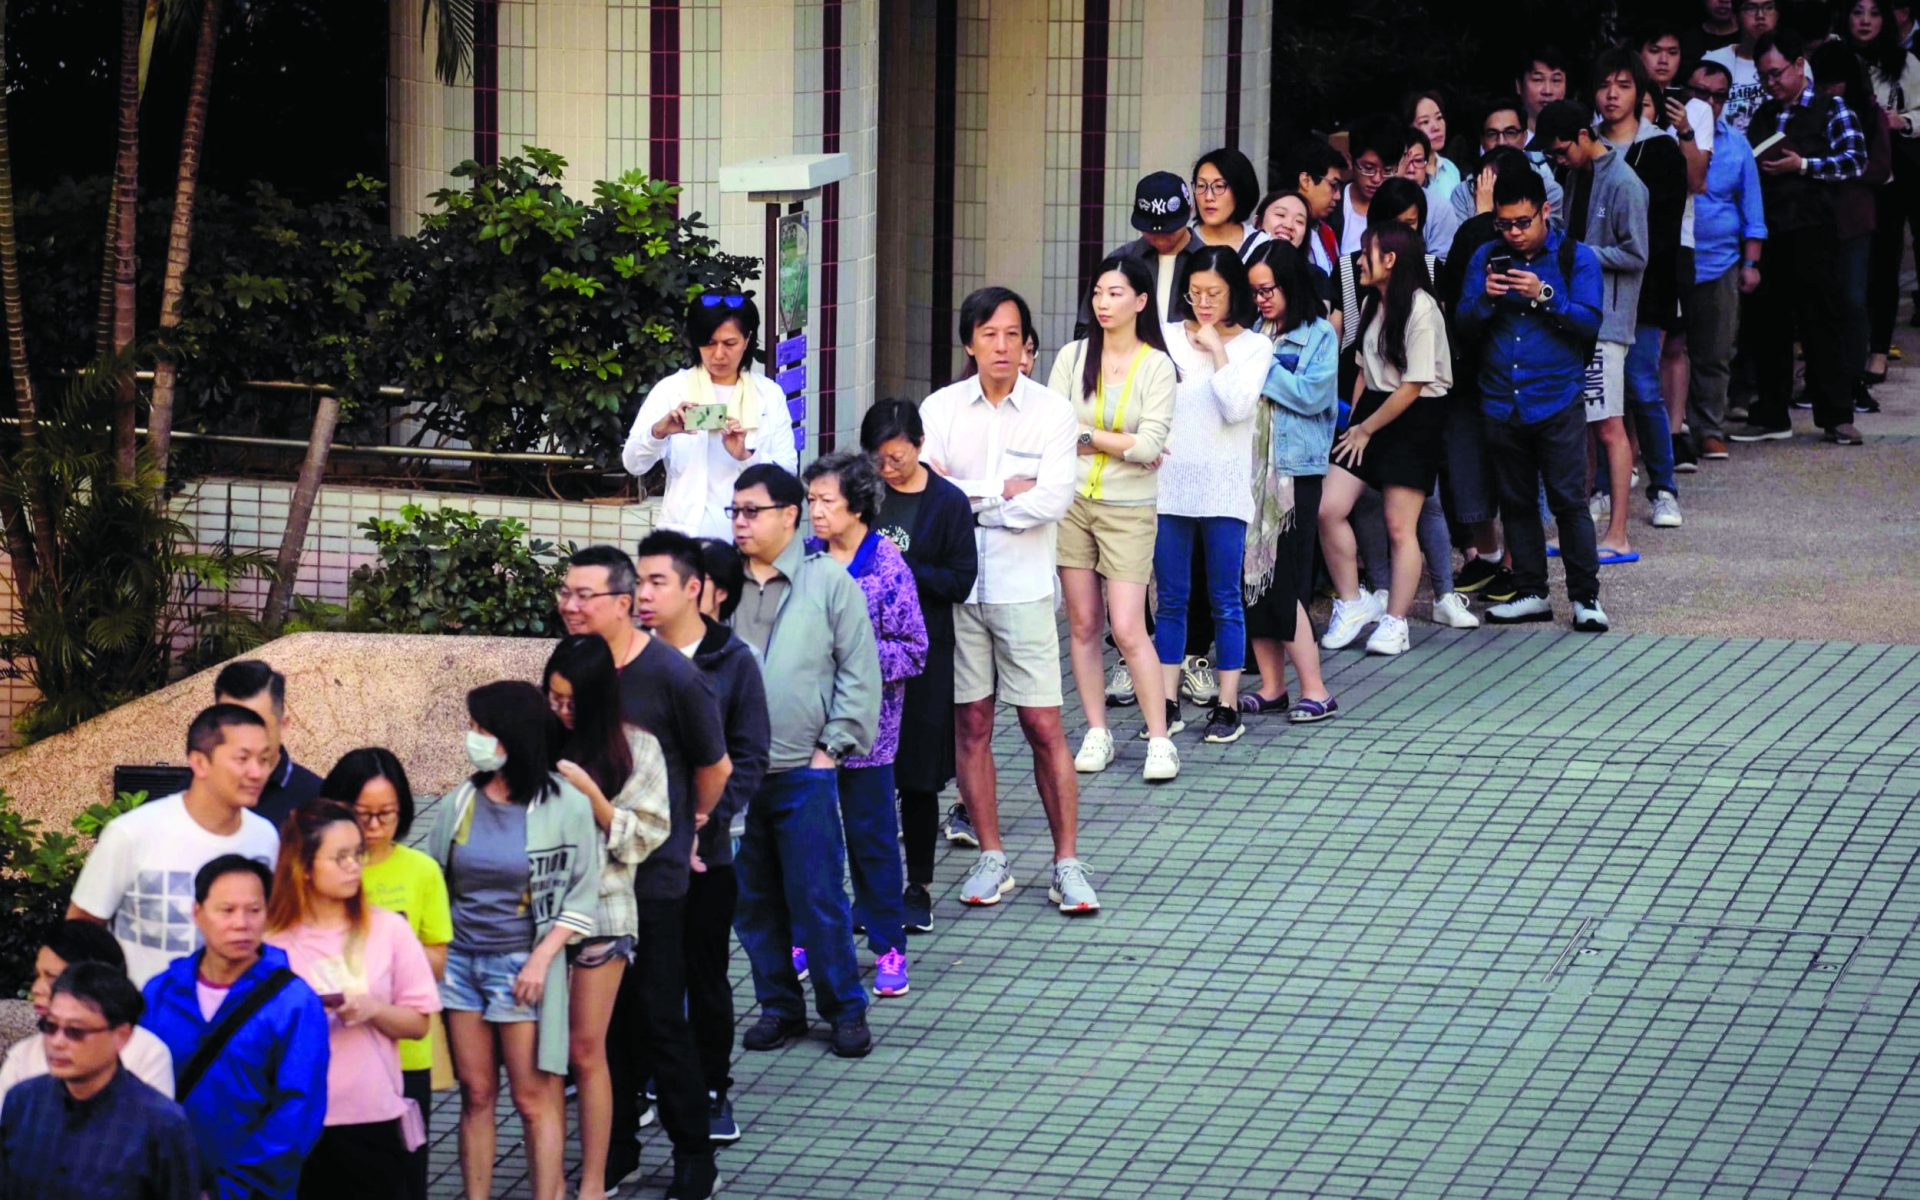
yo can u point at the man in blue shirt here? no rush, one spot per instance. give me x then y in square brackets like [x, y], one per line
[1729, 231]
[1538, 318]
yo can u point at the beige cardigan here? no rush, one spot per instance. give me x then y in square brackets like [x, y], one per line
[1147, 415]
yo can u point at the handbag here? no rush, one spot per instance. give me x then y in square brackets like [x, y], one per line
[230, 1024]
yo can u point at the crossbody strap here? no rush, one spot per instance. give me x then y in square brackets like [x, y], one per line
[230, 1024]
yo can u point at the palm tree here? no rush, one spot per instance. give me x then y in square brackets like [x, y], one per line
[115, 322]
[28, 532]
[453, 22]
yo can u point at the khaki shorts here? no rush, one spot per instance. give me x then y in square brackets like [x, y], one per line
[1606, 396]
[1013, 649]
[1115, 540]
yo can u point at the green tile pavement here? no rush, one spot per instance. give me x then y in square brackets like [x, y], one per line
[1540, 915]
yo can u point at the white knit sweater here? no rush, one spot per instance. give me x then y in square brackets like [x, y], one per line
[1209, 467]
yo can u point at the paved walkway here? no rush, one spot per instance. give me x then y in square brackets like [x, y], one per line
[1542, 915]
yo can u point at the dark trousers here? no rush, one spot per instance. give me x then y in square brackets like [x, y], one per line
[1713, 317]
[1892, 203]
[1798, 298]
[873, 854]
[366, 1162]
[649, 1035]
[711, 897]
[417, 1086]
[919, 829]
[790, 864]
[1551, 453]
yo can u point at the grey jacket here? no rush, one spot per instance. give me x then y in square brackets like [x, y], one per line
[1617, 232]
[821, 668]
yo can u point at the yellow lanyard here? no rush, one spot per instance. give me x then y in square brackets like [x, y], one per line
[1098, 467]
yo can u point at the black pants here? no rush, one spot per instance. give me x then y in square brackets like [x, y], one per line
[1797, 298]
[919, 829]
[711, 898]
[649, 1036]
[1891, 203]
[417, 1086]
[1552, 453]
[365, 1162]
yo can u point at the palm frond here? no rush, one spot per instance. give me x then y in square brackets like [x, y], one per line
[454, 30]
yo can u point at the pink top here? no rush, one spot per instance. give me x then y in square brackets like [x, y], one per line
[392, 968]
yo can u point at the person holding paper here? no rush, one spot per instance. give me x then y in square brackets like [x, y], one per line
[712, 420]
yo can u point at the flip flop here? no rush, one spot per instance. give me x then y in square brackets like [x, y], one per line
[1613, 558]
[1553, 549]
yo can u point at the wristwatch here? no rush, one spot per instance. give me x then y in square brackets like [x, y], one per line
[1545, 296]
[830, 751]
[1751, 264]
[1685, 135]
[1086, 437]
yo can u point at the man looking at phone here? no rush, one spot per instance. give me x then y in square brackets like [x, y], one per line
[1533, 300]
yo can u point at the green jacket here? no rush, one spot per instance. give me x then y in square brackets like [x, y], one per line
[564, 854]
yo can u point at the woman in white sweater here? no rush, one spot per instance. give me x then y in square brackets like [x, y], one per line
[1206, 483]
[712, 420]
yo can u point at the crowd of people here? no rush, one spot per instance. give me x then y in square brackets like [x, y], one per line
[1427, 341]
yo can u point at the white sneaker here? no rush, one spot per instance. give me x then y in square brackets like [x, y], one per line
[1350, 617]
[1589, 618]
[1451, 610]
[1600, 508]
[1521, 610]
[1163, 761]
[1096, 752]
[1666, 510]
[1120, 688]
[1197, 682]
[1389, 636]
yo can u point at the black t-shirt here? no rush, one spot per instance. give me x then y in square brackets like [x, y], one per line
[1695, 41]
[899, 515]
[290, 786]
[663, 693]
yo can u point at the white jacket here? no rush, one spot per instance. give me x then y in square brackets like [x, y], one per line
[696, 491]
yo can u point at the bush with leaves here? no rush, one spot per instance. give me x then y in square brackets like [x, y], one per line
[453, 571]
[37, 871]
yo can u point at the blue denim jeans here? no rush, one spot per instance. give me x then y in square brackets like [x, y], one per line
[873, 855]
[1647, 409]
[1223, 543]
[789, 868]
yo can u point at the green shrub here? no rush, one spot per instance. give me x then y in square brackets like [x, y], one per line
[452, 571]
[37, 870]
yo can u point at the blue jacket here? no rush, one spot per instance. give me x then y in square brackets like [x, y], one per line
[1730, 210]
[258, 1110]
[1533, 361]
[1304, 397]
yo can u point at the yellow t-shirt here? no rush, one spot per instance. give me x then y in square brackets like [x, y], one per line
[410, 883]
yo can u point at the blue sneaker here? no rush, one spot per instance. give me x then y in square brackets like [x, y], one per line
[721, 1127]
[960, 829]
[800, 963]
[890, 974]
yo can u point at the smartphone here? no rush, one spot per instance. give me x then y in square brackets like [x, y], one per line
[1673, 95]
[707, 416]
[1499, 264]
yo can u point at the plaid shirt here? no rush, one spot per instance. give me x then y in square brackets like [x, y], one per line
[1849, 157]
[127, 1140]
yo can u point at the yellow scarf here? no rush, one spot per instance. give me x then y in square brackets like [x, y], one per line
[744, 407]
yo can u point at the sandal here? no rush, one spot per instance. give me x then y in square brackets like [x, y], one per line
[1308, 711]
[1255, 704]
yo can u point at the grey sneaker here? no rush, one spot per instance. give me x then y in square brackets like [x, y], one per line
[988, 881]
[1589, 617]
[1070, 889]
[1666, 510]
[1197, 682]
[959, 828]
[1120, 688]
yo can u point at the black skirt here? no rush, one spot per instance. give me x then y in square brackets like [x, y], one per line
[1407, 452]
[1273, 615]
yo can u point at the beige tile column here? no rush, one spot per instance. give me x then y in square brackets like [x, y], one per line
[569, 50]
[1017, 145]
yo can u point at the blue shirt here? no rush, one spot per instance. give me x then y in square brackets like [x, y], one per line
[1533, 360]
[125, 1142]
[1303, 385]
[1730, 210]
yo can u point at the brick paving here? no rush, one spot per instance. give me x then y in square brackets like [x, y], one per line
[1541, 915]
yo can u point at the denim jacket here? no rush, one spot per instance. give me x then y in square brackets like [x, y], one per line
[1304, 397]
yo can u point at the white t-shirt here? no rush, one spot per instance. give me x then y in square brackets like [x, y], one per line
[140, 878]
[1354, 227]
[146, 1056]
[1163, 282]
[1700, 116]
[1747, 93]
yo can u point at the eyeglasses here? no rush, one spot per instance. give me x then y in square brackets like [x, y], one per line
[1502, 224]
[1710, 95]
[719, 299]
[1370, 170]
[1774, 76]
[1213, 297]
[751, 512]
[49, 1027]
[1265, 293]
[1218, 187]
[384, 816]
[1511, 135]
[580, 596]
[1415, 162]
[350, 858]
[1763, 6]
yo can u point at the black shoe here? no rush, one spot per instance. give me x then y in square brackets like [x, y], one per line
[771, 1032]
[1223, 725]
[1500, 589]
[721, 1127]
[918, 905]
[694, 1177]
[851, 1039]
[1685, 460]
[1175, 723]
[1478, 573]
[1863, 401]
[623, 1159]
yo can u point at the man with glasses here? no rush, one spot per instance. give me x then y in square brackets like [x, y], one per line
[1319, 172]
[1745, 93]
[664, 694]
[1377, 145]
[89, 1126]
[1799, 297]
[1729, 231]
[1505, 124]
[69, 944]
[808, 620]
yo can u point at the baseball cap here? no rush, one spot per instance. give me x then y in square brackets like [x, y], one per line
[1162, 203]
[1560, 121]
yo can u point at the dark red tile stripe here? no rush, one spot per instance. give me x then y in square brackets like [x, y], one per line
[1093, 140]
[663, 90]
[830, 77]
[1236, 34]
[486, 82]
[946, 47]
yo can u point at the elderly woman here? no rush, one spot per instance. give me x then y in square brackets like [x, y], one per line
[844, 494]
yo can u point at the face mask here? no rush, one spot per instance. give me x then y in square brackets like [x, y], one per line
[484, 752]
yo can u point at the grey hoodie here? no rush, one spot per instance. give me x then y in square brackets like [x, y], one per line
[1616, 229]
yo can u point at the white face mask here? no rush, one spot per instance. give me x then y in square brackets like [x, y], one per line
[484, 752]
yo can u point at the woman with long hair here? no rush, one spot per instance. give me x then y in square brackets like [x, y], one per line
[1286, 218]
[372, 783]
[1426, 111]
[1838, 71]
[1393, 441]
[621, 771]
[1868, 29]
[1225, 189]
[1293, 431]
[522, 859]
[377, 986]
[1205, 498]
[1122, 384]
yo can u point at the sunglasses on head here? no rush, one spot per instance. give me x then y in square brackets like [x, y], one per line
[717, 299]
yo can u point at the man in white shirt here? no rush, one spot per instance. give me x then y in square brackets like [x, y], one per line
[1757, 18]
[68, 943]
[139, 878]
[1009, 444]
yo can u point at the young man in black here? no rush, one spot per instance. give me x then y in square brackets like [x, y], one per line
[256, 686]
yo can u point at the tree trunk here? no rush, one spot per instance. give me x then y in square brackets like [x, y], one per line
[116, 306]
[180, 234]
[29, 536]
[326, 416]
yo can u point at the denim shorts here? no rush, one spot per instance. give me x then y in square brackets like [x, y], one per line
[599, 951]
[481, 982]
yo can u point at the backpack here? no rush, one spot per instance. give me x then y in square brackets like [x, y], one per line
[1564, 257]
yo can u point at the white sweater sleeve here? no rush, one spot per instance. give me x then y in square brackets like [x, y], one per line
[643, 450]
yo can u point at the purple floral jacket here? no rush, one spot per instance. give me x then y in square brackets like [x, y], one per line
[899, 633]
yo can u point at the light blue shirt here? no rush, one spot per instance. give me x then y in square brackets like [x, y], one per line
[1730, 210]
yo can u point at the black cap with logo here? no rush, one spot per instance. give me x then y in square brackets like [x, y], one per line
[1162, 203]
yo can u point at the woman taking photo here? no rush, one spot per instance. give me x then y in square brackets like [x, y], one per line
[522, 858]
[844, 494]
[1293, 431]
[1206, 485]
[711, 420]
[1225, 189]
[603, 757]
[378, 988]
[1393, 442]
[402, 880]
[930, 522]
[1122, 384]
